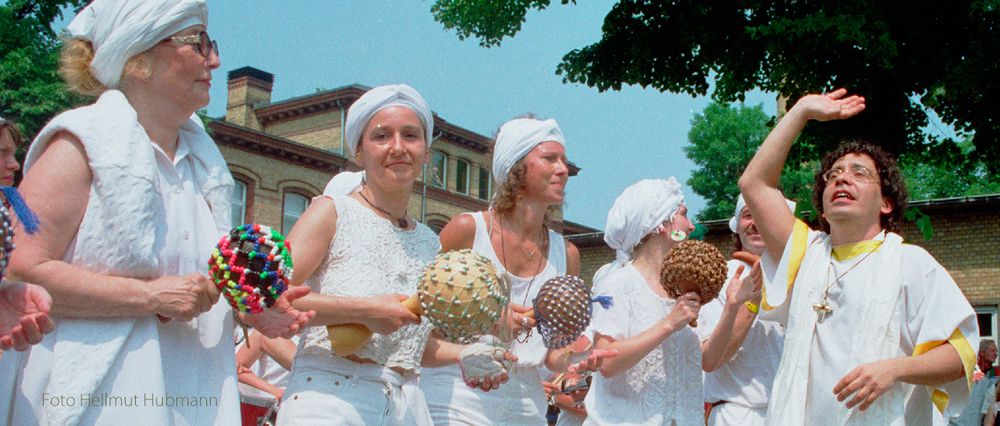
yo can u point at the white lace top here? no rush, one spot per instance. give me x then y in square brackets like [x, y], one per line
[368, 257]
[665, 386]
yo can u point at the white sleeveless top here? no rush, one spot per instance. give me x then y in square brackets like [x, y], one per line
[521, 400]
[523, 290]
[369, 257]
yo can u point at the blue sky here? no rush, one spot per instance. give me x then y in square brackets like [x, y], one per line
[617, 138]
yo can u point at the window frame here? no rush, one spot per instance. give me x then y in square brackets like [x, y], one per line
[284, 200]
[468, 181]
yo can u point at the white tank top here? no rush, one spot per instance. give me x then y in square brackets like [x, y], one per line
[523, 289]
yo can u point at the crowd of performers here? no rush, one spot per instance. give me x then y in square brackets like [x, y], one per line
[845, 324]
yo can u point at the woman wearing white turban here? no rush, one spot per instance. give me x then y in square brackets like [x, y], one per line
[531, 170]
[656, 377]
[132, 195]
[360, 252]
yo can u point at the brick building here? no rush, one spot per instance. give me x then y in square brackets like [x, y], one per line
[283, 153]
[966, 242]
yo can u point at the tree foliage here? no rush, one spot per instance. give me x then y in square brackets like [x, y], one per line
[722, 140]
[903, 56]
[31, 91]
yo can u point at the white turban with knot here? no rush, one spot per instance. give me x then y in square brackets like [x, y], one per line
[517, 138]
[380, 98]
[640, 209]
[121, 29]
[734, 222]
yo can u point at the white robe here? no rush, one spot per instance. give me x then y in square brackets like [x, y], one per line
[896, 302]
[147, 216]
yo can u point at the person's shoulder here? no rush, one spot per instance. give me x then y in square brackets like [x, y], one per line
[459, 233]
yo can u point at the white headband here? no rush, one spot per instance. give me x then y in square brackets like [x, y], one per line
[517, 138]
[640, 209]
[121, 29]
[734, 222]
[380, 98]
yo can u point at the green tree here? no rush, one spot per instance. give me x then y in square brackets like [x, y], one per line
[930, 173]
[722, 141]
[31, 91]
[902, 56]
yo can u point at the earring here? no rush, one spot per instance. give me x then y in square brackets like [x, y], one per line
[678, 236]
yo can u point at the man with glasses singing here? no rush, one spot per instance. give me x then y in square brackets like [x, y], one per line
[877, 332]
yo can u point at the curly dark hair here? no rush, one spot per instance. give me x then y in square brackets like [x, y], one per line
[890, 180]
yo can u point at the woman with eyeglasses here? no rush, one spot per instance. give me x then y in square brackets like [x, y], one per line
[132, 196]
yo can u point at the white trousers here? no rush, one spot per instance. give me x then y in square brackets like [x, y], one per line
[349, 393]
[734, 414]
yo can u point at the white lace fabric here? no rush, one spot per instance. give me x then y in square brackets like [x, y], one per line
[369, 257]
[665, 387]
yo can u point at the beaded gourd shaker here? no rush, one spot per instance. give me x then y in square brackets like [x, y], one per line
[251, 267]
[694, 266]
[563, 309]
[462, 296]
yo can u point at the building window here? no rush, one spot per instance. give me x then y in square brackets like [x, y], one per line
[294, 205]
[485, 184]
[439, 170]
[462, 177]
[987, 318]
[239, 203]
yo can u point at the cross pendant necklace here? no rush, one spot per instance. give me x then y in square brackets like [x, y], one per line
[823, 308]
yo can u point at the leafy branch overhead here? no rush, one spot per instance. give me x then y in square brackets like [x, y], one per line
[904, 57]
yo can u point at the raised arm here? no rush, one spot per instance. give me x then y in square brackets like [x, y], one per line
[759, 183]
[735, 322]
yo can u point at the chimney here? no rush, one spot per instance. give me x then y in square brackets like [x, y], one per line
[248, 88]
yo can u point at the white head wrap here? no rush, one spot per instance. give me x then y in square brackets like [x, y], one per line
[640, 209]
[121, 29]
[734, 222]
[517, 138]
[344, 183]
[380, 98]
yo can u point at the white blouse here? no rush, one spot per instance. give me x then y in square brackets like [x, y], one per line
[369, 257]
[665, 386]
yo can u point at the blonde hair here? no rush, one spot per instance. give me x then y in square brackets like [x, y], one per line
[74, 67]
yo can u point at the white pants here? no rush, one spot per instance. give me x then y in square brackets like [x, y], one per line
[734, 414]
[520, 401]
[348, 393]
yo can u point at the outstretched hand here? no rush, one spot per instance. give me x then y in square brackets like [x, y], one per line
[281, 319]
[24, 315]
[485, 366]
[747, 289]
[831, 106]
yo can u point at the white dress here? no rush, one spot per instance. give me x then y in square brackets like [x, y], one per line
[744, 382]
[892, 300]
[520, 401]
[153, 215]
[367, 257]
[664, 388]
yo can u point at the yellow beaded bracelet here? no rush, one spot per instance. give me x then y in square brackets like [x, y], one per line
[752, 307]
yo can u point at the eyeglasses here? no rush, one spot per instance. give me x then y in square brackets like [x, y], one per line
[202, 41]
[858, 173]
